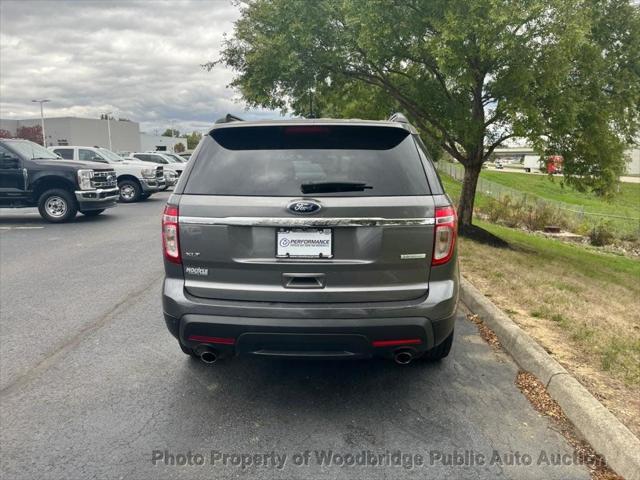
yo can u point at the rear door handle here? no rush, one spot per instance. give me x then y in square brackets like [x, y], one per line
[303, 280]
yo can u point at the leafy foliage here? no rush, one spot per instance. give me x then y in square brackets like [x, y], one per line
[471, 74]
[193, 139]
[30, 133]
[169, 132]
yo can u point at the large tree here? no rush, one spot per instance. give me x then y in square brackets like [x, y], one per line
[470, 74]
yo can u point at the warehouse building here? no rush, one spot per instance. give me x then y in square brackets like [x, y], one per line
[159, 143]
[122, 135]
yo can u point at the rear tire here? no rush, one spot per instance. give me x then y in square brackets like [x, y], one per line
[92, 213]
[57, 205]
[129, 191]
[441, 351]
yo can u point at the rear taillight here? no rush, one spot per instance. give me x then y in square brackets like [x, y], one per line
[170, 234]
[445, 235]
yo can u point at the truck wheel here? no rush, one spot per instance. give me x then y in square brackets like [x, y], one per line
[129, 191]
[441, 351]
[93, 213]
[57, 205]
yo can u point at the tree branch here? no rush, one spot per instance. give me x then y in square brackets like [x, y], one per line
[496, 144]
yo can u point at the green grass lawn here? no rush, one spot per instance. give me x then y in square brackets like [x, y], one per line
[580, 304]
[625, 203]
[590, 264]
[590, 296]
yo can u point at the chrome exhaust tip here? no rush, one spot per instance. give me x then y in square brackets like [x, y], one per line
[209, 356]
[403, 357]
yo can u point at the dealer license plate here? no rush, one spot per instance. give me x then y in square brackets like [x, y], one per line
[304, 243]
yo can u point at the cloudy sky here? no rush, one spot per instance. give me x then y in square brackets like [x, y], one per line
[140, 60]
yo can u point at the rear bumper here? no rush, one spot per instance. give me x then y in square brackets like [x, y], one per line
[97, 199]
[310, 330]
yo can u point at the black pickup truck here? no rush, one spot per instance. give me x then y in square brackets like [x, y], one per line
[32, 176]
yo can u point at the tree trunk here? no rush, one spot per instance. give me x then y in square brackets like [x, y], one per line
[467, 196]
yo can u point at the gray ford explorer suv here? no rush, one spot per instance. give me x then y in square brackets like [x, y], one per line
[311, 238]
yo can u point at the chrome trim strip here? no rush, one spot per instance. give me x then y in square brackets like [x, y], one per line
[307, 222]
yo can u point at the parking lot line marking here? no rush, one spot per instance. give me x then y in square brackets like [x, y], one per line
[20, 228]
[17, 214]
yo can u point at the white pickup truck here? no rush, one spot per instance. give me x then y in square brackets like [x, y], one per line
[172, 168]
[136, 180]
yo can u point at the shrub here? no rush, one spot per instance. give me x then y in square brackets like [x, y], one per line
[519, 213]
[601, 234]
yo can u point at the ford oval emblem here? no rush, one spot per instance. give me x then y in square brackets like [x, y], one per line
[304, 207]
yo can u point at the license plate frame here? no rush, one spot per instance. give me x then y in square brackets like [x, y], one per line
[285, 249]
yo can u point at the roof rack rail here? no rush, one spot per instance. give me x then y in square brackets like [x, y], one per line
[228, 118]
[398, 117]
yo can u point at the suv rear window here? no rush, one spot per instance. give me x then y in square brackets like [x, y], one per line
[321, 160]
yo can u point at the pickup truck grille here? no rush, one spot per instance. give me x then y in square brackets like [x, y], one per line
[104, 179]
[159, 172]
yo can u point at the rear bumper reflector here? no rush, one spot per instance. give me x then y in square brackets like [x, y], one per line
[395, 343]
[205, 339]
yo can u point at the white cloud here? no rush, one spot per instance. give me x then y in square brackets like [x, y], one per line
[141, 60]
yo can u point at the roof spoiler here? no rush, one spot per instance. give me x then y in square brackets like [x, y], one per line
[228, 118]
[398, 117]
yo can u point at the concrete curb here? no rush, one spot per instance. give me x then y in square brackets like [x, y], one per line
[598, 426]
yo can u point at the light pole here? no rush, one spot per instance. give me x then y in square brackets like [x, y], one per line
[109, 129]
[173, 146]
[41, 102]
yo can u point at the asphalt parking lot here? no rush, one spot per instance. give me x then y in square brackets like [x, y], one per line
[93, 386]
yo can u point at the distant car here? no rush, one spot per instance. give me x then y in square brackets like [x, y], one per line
[185, 155]
[136, 180]
[499, 165]
[554, 165]
[172, 168]
[175, 156]
[32, 176]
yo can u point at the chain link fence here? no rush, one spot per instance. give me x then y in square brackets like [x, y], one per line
[577, 213]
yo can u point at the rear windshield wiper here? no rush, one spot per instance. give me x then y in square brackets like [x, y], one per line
[329, 187]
